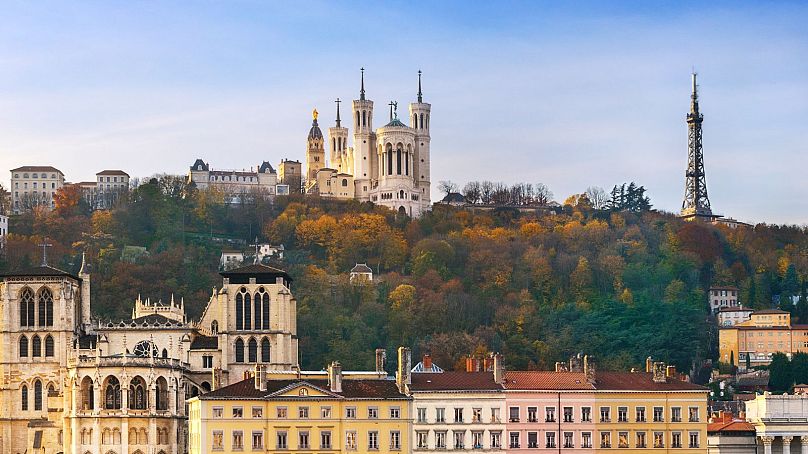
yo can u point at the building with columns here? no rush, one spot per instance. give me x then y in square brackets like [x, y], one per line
[389, 166]
[76, 384]
[781, 422]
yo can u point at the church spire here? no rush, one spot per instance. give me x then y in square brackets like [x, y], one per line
[420, 95]
[338, 120]
[362, 90]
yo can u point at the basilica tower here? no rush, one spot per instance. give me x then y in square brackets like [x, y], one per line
[315, 152]
[340, 159]
[365, 164]
[419, 115]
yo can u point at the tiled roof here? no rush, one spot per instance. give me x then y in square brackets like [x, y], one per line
[112, 172]
[546, 380]
[36, 169]
[454, 381]
[205, 343]
[39, 271]
[361, 268]
[351, 389]
[731, 426]
[641, 381]
[770, 311]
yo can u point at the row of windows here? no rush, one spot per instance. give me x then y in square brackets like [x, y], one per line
[658, 414]
[34, 175]
[36, 347]
[623, 440]
[458, 439]
[303, 412]
[34, 185]
[114, 179]
[304, 440]
[230, 178]
[252, 350]
[258, 310]
[459, 417]
[38, 397]
[39, 309]
[137, 397]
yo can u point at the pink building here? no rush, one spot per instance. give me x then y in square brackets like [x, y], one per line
[548, 410]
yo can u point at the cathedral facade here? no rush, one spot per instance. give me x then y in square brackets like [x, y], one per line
[388, 166]
[75, 384]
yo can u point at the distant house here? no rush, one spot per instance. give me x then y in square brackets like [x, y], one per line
[268, 251]
[361, 272]
[454, 199]
[231, 259]
[731, 316]
[719, 297]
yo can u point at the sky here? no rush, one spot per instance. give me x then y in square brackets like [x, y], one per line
[569, 94]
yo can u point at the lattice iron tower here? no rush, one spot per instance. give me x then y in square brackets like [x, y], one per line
[696, 202]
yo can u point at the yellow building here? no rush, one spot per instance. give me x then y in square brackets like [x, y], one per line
[765, 333]
[635, 411]
[339, 414]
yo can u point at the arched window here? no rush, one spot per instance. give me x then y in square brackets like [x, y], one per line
[27, 307]
[137, 394]
[37, 347]
[252, 347]
[333, 143]
[239, 350]
[265, 350]
[357, 118]
[398, 160]
[422, 121]
[389, 159]
[45, 307]
[165, 353]
[214, 328]
[161, 394]
[49, 346]
[240, 310]
[24, 397]
[364, 118]
[112, 394]
[87, 394]
[23, 347]
[257, 306]
[265, 302]
[37, 395]
[345, 182]
[247, 311]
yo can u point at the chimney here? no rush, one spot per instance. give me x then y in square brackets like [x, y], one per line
[659, 372]
[670, 372]
[576, 363]
[488, 363]
[404, 368]
[427, 363]
[469, 364]
[649, 365]
[499, 369]
[335, 377]
[260, 377]
[589, 369]
[381, 360]
[216, 380]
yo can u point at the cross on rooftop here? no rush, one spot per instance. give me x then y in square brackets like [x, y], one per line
[44, 245]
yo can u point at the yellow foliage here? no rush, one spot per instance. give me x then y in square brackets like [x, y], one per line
[402, 297]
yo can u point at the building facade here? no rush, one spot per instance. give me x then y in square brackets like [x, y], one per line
[261, 180]
[3, 230]
[107, 189]
[290, 173]
[76, 384]
[389, 166]
[765, 333]
[721, 297]
[731, 316]
[34, 186]
[780, 422]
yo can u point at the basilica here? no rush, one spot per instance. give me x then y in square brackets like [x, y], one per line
[74, 384]
[388, 166]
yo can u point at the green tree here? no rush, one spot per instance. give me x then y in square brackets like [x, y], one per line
[799, 367]
[780, 373]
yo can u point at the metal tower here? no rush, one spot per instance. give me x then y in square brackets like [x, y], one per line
[696, 202]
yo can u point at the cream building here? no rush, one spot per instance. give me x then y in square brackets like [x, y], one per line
[236, 183]
[34, 186]
[390, 165]
[75, 384]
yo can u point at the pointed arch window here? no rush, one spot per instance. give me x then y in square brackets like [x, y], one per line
[45, 307]
[239, 350]
[24, 397]
[389, 159]
[137, 394]
[49, 348]
[252, 349]
[161, 394]
[258, 310]
[23, 347]
[265, 350]
[239, 311]
[27, 307]
[87, 394]
[247, 311]
[112, 394]
[262, 293]
[37, 395]
[398, 159]
[36, 347]
[214, 328]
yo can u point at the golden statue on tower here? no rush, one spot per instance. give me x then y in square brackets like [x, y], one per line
[314, 114]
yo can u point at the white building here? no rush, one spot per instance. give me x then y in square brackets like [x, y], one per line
[458, 411]
[74, 384]
[361, 272]
[109, 186]
[34, 186]
[231, 258]
[781, 422]
[390, 166]
[3, 230]
[722, 297]
[731, 316]
[235, 183]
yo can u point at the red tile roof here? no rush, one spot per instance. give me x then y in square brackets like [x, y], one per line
[112, 172]
[730, 426]
[641, 381]
[770, 311]
[351, 389]
[546, 380]
[454, 381]
[36, 169]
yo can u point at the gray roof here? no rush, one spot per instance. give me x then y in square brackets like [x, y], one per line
[395, 122]
[314, 132]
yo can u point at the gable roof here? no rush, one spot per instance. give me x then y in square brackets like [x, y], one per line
[454, 381]
[641, 381]
[351, 389]
[40, 271]
[361, 268]
[731, 426]
[112, 172]
[37, 169]
[546, 380]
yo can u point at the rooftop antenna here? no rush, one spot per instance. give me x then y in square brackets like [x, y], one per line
[44, 245]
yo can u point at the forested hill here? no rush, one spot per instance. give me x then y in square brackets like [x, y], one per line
[620, 285]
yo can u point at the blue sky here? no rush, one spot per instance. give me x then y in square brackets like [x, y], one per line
[571, 94]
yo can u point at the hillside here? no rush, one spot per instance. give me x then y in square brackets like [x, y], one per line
[619, 285]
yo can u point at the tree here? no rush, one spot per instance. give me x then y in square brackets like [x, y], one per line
[472, 192]
[447, 187]
[780, 374]
[597, 197]
[542, 194]
[799, 367]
